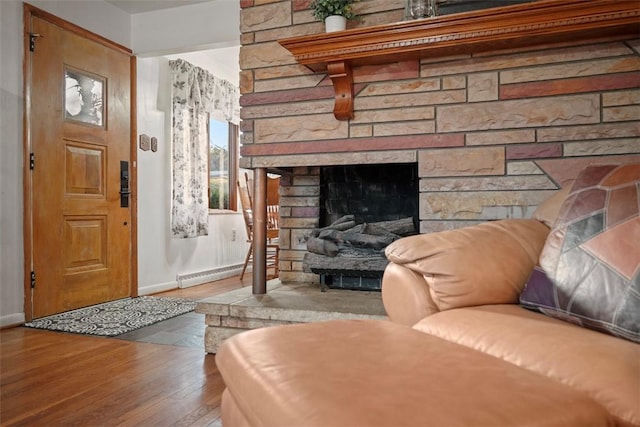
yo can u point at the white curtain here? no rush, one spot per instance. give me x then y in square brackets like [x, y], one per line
[195, 93]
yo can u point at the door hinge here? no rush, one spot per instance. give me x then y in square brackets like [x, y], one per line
[33, 279]
[32, 41]
[32, 161]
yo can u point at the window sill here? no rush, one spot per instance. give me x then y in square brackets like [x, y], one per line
[223, 212]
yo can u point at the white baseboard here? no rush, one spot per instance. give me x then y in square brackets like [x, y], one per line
[198, 278]
[158, 287]
[12, 320]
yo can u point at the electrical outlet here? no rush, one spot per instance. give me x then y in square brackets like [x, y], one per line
[233, 235]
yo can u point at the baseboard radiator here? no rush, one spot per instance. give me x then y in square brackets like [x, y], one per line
[200, 277]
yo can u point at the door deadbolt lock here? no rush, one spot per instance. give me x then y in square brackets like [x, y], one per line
[124, 184]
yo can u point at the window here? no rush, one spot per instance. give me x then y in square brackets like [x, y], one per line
[83, 97]
[223, 164]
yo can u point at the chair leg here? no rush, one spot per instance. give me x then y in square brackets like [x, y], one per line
[246, 261]
[273, 259]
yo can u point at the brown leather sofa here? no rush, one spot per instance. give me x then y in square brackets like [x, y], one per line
[459, 349]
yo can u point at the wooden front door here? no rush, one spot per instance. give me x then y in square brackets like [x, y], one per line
[78, 148]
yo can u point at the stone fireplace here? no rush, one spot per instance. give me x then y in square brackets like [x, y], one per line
[494, 110]
[491, 132]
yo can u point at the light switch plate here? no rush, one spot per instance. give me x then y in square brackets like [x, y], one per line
[145, 142]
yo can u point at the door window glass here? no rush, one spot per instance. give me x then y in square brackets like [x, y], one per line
[84, 96]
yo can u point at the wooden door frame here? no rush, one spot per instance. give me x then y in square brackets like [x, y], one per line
[30, 12]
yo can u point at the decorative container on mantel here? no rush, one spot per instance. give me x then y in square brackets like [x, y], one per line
[418, 9]
[334, 13]
[335, 23]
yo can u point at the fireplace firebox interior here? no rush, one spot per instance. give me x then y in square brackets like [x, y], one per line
[369, 194]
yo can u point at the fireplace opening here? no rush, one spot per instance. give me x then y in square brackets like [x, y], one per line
[363, 208]
[371, 193]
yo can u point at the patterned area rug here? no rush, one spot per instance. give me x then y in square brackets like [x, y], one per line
[115, 317]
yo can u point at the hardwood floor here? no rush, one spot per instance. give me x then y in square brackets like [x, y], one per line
[59, 379]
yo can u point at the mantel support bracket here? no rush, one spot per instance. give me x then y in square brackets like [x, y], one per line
[342, 78]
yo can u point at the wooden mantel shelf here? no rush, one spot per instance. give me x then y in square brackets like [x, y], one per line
[528, 24]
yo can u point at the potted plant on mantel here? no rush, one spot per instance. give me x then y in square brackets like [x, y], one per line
[334, 13]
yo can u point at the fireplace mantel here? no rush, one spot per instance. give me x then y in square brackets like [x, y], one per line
[528, 24]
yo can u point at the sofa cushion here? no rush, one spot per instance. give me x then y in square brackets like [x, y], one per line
[378, 373]
[592, 254]
[487, 263]
[605, 367]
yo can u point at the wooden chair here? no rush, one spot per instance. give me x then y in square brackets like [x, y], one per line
[273, 219]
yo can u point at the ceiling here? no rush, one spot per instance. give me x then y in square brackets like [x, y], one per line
[222, 62]
[140, 6]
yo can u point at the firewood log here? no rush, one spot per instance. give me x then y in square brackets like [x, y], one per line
[322, 247]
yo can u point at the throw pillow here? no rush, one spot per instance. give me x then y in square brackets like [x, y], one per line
[592, 254]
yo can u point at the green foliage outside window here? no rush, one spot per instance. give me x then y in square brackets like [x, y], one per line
[218, 164]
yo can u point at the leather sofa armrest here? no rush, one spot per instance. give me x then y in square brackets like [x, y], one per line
[488, 263]
[405, 295]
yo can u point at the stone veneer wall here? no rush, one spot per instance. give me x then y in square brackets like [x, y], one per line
[493, 133]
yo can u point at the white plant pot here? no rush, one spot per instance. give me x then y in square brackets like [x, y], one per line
[335, 23]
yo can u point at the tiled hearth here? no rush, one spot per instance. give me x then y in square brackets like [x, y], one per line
[240, 310]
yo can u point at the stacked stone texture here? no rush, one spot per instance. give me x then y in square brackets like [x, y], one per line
[493, 133]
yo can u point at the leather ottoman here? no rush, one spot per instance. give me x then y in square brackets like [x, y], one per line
[378, 373]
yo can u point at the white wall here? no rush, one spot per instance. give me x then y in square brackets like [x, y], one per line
[11, 100]
[96, 16]
[208, 25]
[160, 259]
